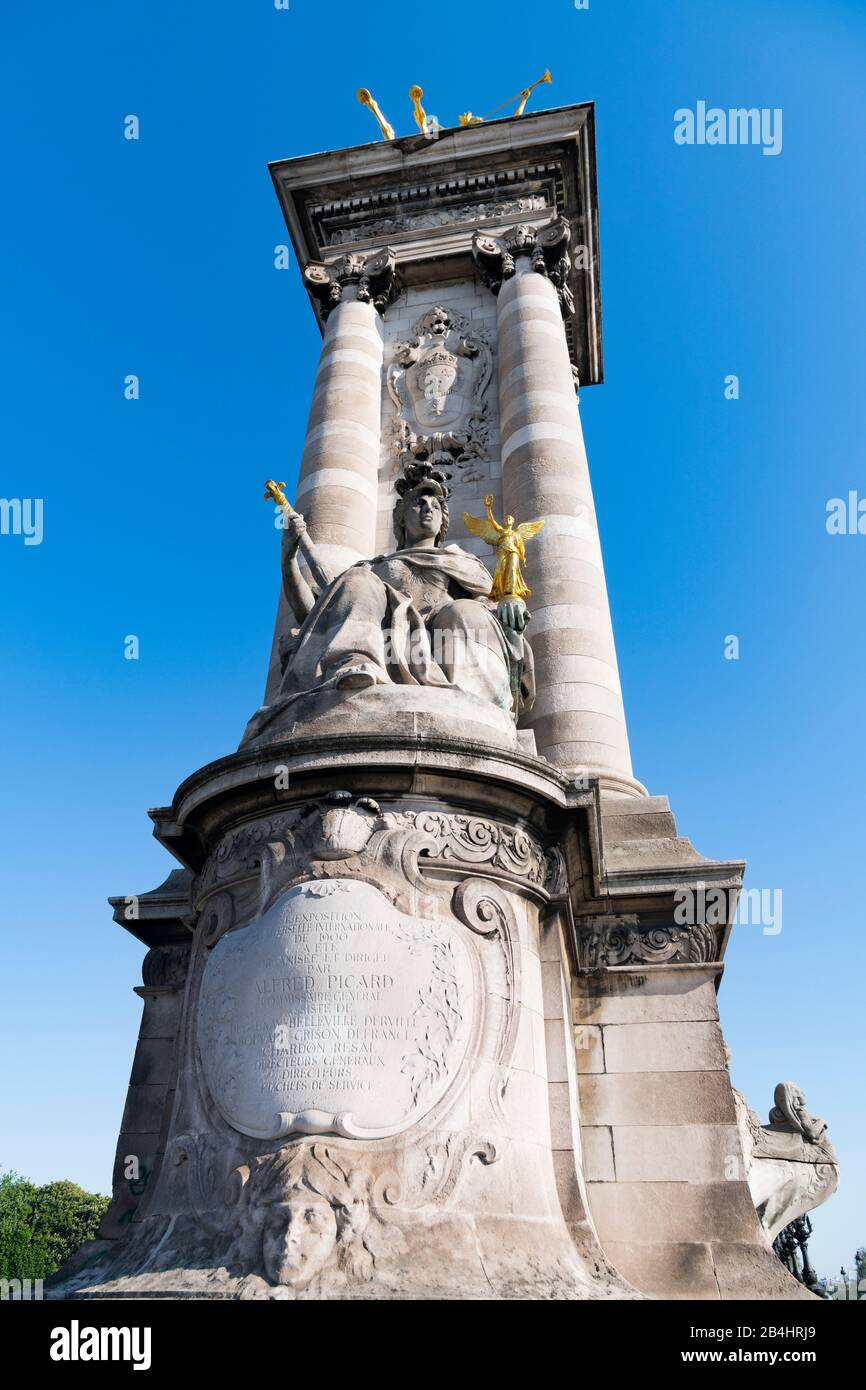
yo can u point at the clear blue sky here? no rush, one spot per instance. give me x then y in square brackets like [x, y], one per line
[156, 258]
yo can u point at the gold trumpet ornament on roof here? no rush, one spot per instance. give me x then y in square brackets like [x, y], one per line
[520, 97]
[510, 542]
[415, 95]
[366, 98]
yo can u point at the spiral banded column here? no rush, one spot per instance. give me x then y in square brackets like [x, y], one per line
[578, 716]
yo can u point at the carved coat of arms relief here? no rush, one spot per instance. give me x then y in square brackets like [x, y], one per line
[438, 381]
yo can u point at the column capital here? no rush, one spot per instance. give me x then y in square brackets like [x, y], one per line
[547, 248]
[374, 275]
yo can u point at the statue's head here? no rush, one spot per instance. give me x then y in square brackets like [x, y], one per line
[509, 522]
[421, 511]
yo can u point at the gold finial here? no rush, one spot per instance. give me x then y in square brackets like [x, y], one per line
[366, 99]
[415, 95]
[510, 542]
[468, 119]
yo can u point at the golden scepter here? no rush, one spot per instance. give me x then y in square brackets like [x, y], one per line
[274, 493]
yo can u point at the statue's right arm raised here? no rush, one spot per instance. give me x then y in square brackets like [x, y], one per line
[299, 593]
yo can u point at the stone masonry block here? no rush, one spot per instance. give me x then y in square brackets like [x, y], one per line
[663, 1047]
[588, 1048]
[657, 1098]
[676, 1212]
[677, 1153]
[598, 1161]
[678, 994]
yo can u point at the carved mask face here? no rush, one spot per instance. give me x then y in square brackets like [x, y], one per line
[422, 516]
[298, 1239]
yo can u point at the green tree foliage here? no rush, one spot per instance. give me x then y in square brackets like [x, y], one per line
[17, 1203]
[40, 1227]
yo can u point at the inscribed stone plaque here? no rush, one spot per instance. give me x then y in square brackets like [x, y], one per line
[333, 1012]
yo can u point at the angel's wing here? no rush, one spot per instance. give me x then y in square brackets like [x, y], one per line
[480, 526]
[527, 529]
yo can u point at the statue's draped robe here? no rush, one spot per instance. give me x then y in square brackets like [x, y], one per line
[415, 617]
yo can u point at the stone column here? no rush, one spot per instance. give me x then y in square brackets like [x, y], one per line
[578, 716]
[337, 487]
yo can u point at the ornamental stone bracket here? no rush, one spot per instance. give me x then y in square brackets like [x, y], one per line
[547, 248]
[374, 276]
[649, 897]
[623, 940]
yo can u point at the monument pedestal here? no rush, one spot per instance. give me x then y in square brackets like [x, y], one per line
[405, 1067]
[375, 1092]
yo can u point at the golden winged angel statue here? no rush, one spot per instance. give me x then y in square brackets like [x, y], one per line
[510, 542]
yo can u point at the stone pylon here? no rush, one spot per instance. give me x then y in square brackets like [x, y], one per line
[430, 1006]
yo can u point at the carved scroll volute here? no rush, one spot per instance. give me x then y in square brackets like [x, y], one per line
[416, 843]
[481, 908]
[485, 910]
[218, 914]
[492, 260]
[322, 286]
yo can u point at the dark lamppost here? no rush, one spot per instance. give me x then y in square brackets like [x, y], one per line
[791, 1247]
